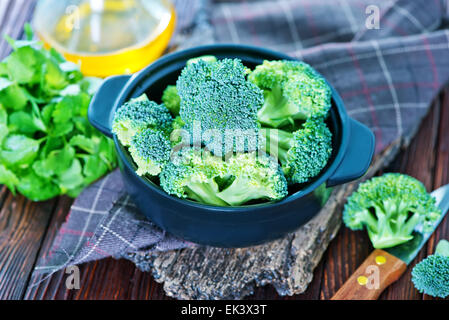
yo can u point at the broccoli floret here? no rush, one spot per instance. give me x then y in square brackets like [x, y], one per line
[192, 174]
[139, 114]
[431, 276]
[303, 153]
[170, 96]
[218, 96]
[150, 150]
[176, 135]
[253, 178]
[177, 123]
[293, 90]
[390, 207]
[171, 100]
[207, 58]
[212, 180]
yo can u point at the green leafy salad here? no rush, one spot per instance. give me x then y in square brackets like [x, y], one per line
[226, 135]
[47, 146]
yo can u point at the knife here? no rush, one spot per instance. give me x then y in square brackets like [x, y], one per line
[383, 267]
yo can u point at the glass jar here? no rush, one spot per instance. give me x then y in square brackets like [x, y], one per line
[106, 37]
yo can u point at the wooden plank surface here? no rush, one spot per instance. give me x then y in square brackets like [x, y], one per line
[426, 157]
[23, 224]
[27, 229]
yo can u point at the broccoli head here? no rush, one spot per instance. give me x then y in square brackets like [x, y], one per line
[139, 114]
[206, 58]
[253, 177]
[293, 90]
[390, 207]
[177, 123]
[204, 177]
[303, 153]
[193, 174]
[218, 96]
[170, 96]
[150, 150]
[171, 100]
[431, 276]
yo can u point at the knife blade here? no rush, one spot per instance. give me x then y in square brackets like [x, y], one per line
[386, 266]
[409, 250]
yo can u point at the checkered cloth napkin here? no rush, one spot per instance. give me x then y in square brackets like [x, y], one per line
[387, 78]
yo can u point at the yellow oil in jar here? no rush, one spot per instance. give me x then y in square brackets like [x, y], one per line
[108, 37]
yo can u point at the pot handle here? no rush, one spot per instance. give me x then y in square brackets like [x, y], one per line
[100, 107]
[358, 156]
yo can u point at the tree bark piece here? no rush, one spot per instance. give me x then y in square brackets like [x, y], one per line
[287, 263]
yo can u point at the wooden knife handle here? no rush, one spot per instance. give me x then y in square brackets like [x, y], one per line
[375, 274]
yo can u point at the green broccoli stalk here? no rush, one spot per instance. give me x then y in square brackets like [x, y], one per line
[150, 150]
[218, 96]
[139, 114]
[431, 276]
[209, 179]
[293, 91]
[390, 207]
[171, 100]
[303, 153]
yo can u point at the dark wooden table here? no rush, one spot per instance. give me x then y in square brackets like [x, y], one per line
[27, 229]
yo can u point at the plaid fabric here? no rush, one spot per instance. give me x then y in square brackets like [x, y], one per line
[387, 78]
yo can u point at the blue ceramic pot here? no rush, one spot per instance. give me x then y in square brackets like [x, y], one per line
[353, 147]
